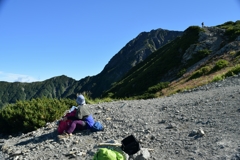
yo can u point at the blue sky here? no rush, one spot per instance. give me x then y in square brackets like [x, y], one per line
[41, 39]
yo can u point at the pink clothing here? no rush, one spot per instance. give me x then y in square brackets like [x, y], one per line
[79, 124]
[71, 114]
[76, 123]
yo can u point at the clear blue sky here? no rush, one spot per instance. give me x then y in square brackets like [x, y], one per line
[41, 39]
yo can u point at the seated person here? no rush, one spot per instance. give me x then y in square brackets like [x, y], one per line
[80, 116]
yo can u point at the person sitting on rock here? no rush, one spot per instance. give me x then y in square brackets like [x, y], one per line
[81, 118]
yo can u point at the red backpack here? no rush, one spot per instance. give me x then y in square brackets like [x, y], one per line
[63, 126]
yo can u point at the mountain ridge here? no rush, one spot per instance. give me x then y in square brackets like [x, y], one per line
[118, 65]
[182, 57]
[196, 50]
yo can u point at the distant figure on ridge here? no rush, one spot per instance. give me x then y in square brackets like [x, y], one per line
[202, 24]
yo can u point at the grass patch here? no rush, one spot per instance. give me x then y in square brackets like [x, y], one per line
[202, 71]
[235, 70]
[218, 78]
[158, 87]
[220, 64]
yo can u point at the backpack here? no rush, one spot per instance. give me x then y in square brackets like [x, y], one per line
[97, 126]
[63, 126]
[108, 154]
[130, 145]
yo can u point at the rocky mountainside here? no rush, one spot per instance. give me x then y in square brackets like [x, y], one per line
[197, 48]
[214, 40]
[202, 123]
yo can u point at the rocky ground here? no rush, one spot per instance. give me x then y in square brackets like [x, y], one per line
[202, 123]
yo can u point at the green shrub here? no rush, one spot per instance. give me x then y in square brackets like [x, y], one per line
[196, 74]
[158, 87]
[235, 70]
[232, 53]
[203, 53]
[25, 116]
[198, 56]
[146, 96]
[205, 70]
[232, 29]
[237, 54]
[229, 23]
[202, 71]
[222, 63]
[181, 72]
[218, 78]
[232, 33]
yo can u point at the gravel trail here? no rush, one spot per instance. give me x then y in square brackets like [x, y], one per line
[201, 123]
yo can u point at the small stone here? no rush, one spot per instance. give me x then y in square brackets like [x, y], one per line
[201, 132]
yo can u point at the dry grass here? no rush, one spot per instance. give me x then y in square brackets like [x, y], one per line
[185, 84]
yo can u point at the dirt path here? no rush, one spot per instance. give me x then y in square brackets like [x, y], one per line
[198, 124]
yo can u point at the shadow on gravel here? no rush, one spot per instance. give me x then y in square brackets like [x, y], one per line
[39, 139]
[49, 136]
[85, 132]
[195, 136]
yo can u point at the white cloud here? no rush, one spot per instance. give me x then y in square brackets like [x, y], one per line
[12, 77]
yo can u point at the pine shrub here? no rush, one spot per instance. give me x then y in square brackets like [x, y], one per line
[25, 116]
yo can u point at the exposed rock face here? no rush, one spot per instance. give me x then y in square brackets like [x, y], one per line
[202, 123]
[211, 39]
[139, 49]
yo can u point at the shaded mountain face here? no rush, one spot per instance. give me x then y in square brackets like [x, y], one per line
[134, 52]
[137, 50]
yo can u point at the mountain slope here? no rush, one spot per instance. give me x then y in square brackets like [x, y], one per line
[155, 63]
[198, 47]
[133, 53]
[152, 70]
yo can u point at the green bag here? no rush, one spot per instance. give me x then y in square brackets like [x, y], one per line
[107, 154]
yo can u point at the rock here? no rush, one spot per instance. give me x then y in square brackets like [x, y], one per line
[193, 133]
[144, 154]
[200, 132]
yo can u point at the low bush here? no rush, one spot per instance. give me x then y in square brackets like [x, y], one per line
[218, 78]
[205, 70]
[198, 56]
[158, 87]
[235, 70]
[237, 54]
[25, 116]
[202, 71]
[220, 64]
[181, 72]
